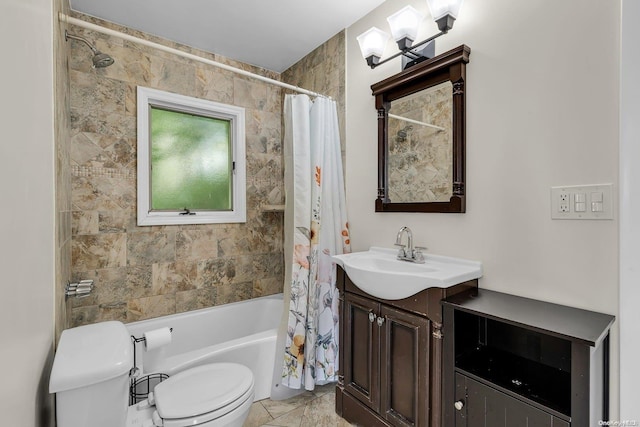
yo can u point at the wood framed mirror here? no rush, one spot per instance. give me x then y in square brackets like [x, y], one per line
[421, 136]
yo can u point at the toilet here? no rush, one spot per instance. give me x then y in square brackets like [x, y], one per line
[91, 378]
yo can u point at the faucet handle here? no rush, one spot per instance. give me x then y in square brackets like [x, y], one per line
[418, 255]
[402, 251]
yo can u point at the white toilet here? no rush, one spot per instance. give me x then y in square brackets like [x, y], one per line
[90, 375]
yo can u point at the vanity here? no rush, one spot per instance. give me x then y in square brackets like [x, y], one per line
[391, 357]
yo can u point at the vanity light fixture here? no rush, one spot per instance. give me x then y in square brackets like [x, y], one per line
[404, 26]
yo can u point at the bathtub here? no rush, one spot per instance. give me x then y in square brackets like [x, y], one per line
[242, 332]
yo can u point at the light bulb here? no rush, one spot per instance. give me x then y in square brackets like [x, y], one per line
[372, 42]
[440, 8]
[405, 23]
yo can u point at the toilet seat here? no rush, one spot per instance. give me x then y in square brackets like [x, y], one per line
[203, 394]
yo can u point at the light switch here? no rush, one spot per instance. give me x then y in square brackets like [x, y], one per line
[580, 202]
[596, 201]
[596, 197]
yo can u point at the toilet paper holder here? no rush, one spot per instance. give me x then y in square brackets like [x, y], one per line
[142, 338]
[135, 371]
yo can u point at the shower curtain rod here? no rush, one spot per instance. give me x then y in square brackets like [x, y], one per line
[88, 25]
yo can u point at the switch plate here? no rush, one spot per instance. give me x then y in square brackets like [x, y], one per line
[582, 202]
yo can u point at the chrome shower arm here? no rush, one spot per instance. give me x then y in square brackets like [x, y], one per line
[100, 60]
[68, 36]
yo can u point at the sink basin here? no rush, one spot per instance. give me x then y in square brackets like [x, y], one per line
[379, 273]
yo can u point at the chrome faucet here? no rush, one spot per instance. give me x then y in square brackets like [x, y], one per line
[408, 252]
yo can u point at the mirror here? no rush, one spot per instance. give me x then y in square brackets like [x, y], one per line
[421, 136]
[420, 146]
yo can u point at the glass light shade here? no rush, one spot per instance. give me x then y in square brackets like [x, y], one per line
[440, 8]
[405, 23]
[372, 42]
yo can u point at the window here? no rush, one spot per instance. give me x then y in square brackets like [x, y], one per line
[191, 160]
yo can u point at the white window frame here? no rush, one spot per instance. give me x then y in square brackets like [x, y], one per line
[147, 98]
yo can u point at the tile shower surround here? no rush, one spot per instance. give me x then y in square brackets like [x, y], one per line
[63, 208]
[144, 272]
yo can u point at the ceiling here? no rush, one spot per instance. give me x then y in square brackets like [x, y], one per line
[273, 34]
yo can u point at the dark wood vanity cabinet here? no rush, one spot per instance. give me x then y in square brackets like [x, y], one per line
[391, 358]
[386, 360]
[513, 361]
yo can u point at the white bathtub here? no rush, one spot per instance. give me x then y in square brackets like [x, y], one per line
[242, 332]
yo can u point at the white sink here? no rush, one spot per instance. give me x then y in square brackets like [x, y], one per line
[379, 273]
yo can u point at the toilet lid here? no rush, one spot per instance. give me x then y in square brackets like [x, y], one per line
[202, 389]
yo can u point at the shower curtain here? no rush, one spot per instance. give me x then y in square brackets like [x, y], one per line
[315, 228]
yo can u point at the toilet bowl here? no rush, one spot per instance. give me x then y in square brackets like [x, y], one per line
[91, 376]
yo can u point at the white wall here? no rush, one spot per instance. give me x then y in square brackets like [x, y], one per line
[630, 212]
[27, 213]
[542, 110]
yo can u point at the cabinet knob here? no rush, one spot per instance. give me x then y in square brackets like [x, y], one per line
[380, 321]
[372, 317]
[459, 405]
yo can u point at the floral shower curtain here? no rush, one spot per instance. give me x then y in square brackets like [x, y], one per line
[315, 228]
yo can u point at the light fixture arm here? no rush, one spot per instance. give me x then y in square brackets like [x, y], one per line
[406, 51]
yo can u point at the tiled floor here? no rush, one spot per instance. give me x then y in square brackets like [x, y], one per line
[316, 408]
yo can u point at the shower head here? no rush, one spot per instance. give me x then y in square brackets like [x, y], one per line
[100, 60]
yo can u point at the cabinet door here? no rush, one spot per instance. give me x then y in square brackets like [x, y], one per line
[404, 362]
[361, 350]
[484, 406]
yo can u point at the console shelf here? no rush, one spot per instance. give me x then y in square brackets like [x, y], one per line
[510, 360]
[540, 383]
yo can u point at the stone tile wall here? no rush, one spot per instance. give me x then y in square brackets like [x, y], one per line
[323, 71]
[144, 272]
[62, 169]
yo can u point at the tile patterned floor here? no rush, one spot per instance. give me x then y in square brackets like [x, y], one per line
[316, 408]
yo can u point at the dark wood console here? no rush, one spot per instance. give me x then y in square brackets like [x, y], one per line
[513, 361]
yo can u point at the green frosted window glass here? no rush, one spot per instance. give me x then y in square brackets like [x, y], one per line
[191, 161]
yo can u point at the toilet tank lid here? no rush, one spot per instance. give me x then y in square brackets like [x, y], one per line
[91, 354]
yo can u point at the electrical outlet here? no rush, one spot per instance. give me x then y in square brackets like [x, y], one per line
[563, 202]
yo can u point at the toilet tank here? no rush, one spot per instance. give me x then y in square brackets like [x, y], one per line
[90, 375]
